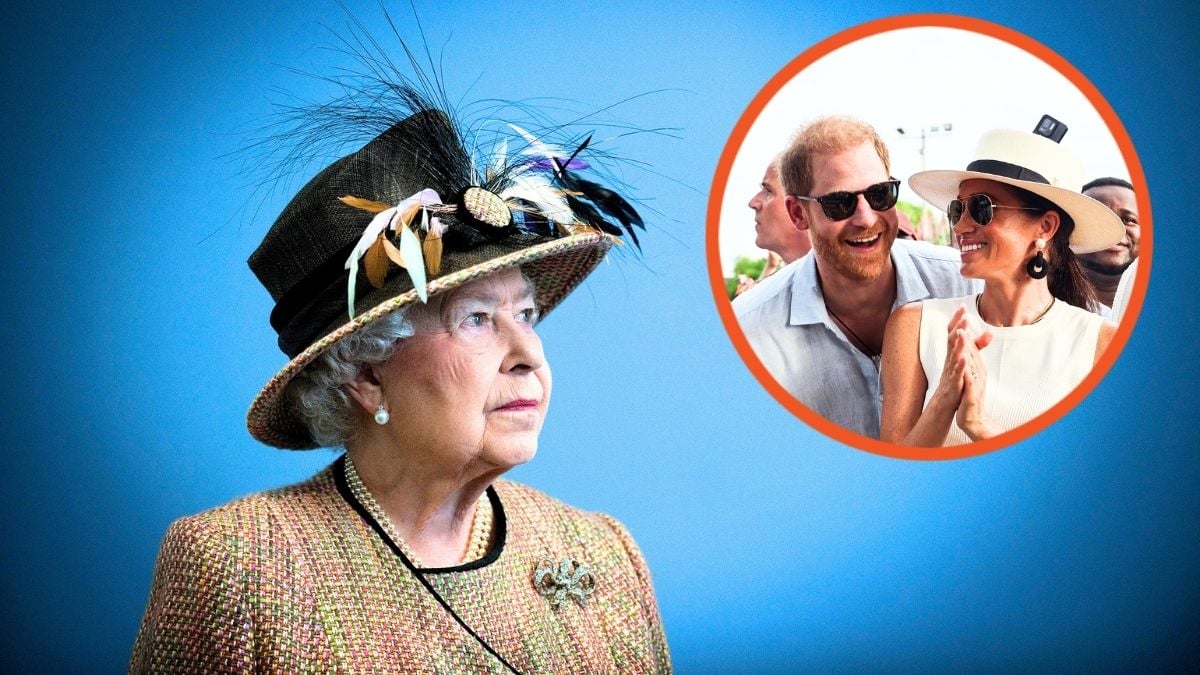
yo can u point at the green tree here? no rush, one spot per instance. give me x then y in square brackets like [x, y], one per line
[751, 267]
[913, 211]
[941, 228]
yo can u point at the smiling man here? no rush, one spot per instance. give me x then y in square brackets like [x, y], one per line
[818, 325]
[1104, 268]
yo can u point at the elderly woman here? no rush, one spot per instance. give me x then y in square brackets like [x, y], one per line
[963, 369]
[408, 285]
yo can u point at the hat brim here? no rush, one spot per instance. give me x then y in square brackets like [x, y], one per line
[555, 267]
[1096, 226]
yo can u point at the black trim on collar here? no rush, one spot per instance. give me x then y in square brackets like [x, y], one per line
[494, 552]
[343, 488]
[501, 521]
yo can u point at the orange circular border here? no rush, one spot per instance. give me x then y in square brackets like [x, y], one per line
[717, 196]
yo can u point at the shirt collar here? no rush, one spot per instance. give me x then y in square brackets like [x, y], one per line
[808, 303]
[910, 284]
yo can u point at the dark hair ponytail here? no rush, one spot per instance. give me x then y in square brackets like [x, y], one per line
[1067, 280]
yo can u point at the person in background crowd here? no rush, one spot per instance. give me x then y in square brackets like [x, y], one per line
[773, 228]
[1104, 268]
[1124, 291]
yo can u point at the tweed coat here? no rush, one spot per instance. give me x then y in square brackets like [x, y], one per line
[305, 579]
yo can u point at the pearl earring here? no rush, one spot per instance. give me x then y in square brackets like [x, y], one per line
[1038, 266]
[381, 415]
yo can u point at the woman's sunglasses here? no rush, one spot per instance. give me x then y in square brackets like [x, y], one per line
[980, 207]
[842, 205]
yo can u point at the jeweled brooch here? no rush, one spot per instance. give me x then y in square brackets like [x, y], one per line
[570, 578]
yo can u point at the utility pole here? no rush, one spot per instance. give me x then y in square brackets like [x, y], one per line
[941, 235]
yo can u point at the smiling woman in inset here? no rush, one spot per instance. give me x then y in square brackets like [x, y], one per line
[964, 369]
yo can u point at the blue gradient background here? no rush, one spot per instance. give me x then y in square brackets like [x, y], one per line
[135, 338]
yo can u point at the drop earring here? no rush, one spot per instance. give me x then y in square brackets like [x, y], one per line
[381, 415]
[1038, 266]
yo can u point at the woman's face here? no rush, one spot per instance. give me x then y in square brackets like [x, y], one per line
[472, 385]
[1004, 246]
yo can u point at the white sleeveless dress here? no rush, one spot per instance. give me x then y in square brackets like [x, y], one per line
[1029, 368]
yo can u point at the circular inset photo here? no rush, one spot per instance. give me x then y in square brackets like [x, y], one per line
[929, 237]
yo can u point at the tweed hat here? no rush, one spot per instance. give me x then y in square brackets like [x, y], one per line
[408, 216]
[1035, 163]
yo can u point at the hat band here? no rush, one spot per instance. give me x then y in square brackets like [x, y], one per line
[998, 168]
[301, 293]
[315, 318]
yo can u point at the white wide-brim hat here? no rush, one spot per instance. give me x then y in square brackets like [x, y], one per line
[1035, 163]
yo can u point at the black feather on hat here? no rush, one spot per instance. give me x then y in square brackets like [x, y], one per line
[417, 210]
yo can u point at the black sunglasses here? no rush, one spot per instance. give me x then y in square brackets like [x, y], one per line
[841, 205]
[980, 207]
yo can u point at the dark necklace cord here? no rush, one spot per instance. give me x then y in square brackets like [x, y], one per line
[862, 344]
[348, 495]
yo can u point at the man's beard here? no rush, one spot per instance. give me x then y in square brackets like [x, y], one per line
[833, 252]
[1105, 269]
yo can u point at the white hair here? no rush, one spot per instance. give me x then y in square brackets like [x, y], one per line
[318, 394]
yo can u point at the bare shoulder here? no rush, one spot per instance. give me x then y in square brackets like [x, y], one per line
[904, 321]
[900, 345]
[909, 312]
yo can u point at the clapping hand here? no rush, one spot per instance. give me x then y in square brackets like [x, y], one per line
[950, 386]
[970, 373]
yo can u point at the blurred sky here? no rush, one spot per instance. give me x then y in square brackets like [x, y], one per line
[911, 78]
[136, 337]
